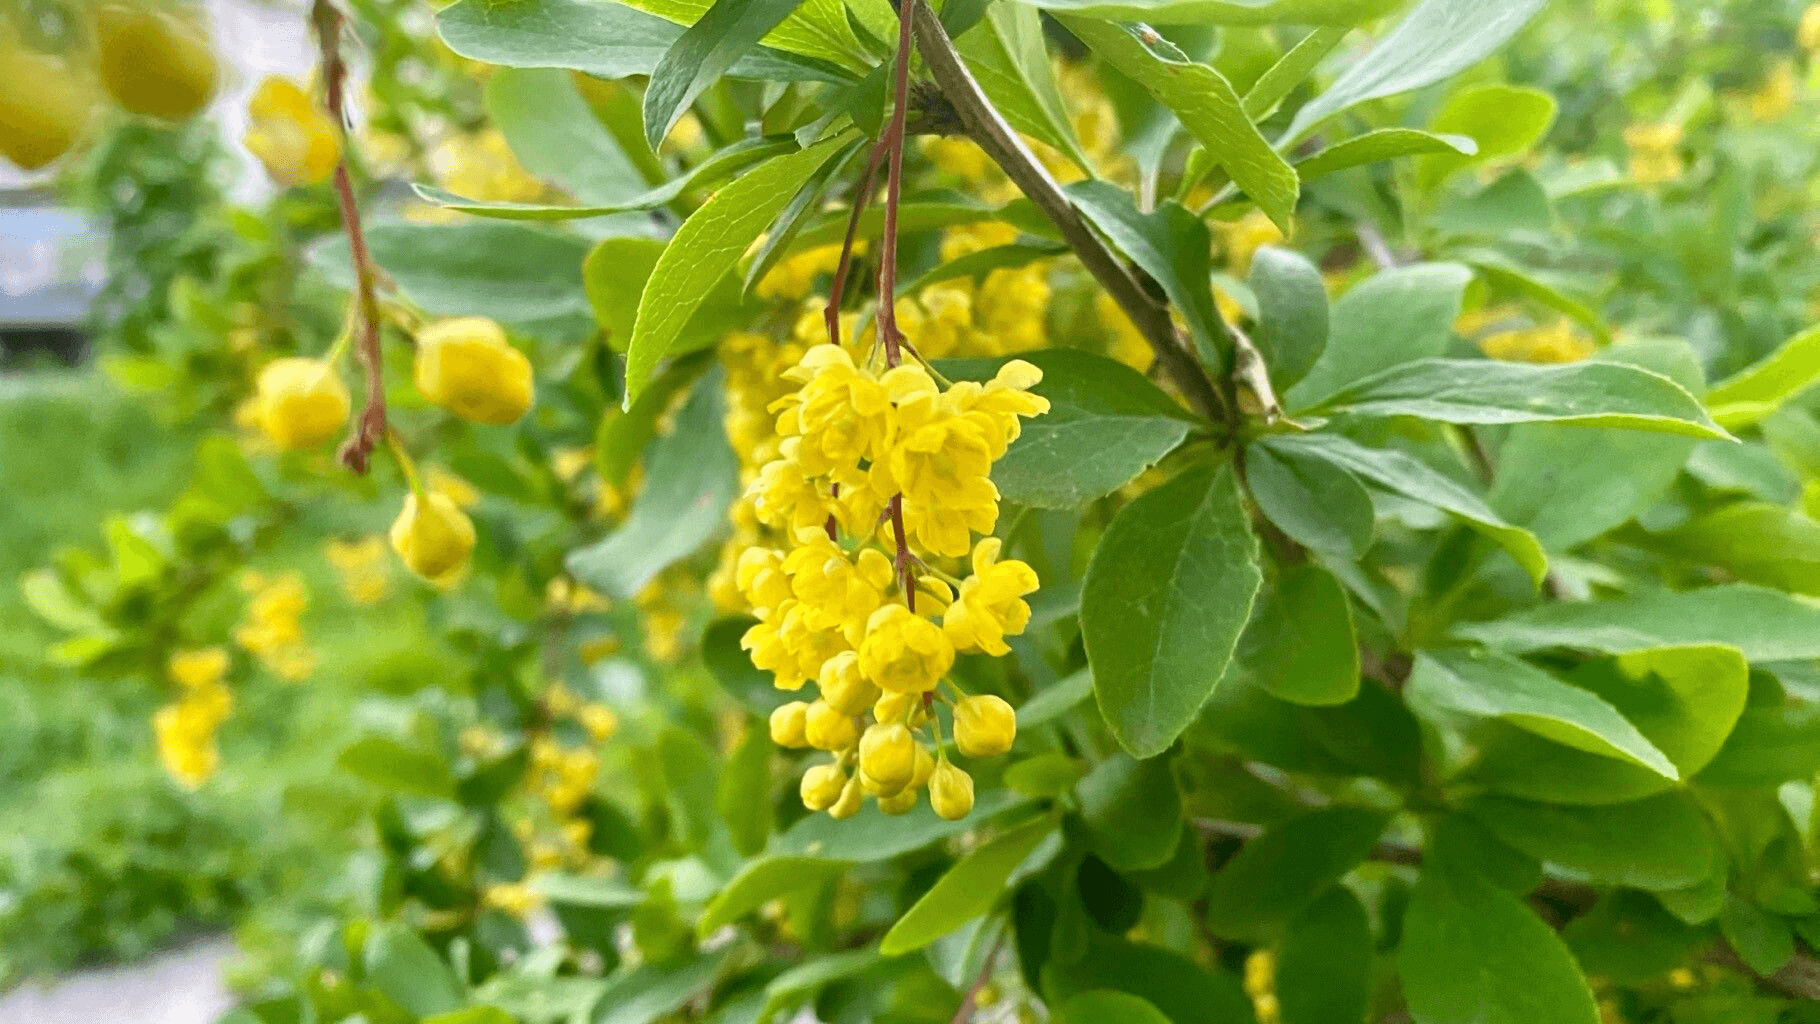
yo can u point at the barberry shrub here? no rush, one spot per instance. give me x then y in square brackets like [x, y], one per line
[988, 509]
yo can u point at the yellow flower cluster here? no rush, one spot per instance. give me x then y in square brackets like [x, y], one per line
[272, 630]
[361, 565]
[861, 444]
[290, 134]
[1807, 33]
[186, 728]
[1775, 95]
[482, 166]
[1655, 152]
[1557, 342]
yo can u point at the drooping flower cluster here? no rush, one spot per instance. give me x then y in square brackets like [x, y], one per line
[186, 727]
[901, 466]
[273, 628]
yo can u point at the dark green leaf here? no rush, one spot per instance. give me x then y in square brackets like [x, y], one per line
[1763, 941]
[1658, 843]
[1318, 504]
[1766, 625]
[1301, 645]
[651, 991]
[1132, 811]
[1275, 876]
[704, 52]
[969, 888]
[1223, 12]
[1324, 965]
[1756, 542]
[762, 881]
[1185, 991]
[1386, 320]
[1292, 313]
[1108, 1007]
[1170, 244]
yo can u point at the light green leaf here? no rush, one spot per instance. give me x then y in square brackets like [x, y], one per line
[589, 891]
[614, 277]
[1382, 144]
[1182, 989]
[706, 248]
[1769, 746]
[1501, 119]
[692, 476]
[818, 29]
[704, 52]
[1659, 843]
[1289, 71]
[607, 40]
[1168, 591]
[1761, 388]
[1301, 646]
[1483, 685]
[1207, 106]
[1436, 40]
[1106, 424]
[806, 978]
[970, 888]
[1170, 244]
[1589, 393]
[1755, 541]
[1108, 1007]
[1502, 272]
[1292, 322]
[1276, 875]
[1006, 53]
[651, 991]
[509, 272]
[1052, 702]
[872, 835]
[556, 136]
[1387, 320]
[1764, 941]
[1405, 475]
[472, 1015]
[1223, 12]
[745, 795]
[762, 881]
[1324, 964]
[404, 967]
[1474, 954]
[1766, 625]
[1133, 812]
[391, 765]
[1318, 504]
[625, 433]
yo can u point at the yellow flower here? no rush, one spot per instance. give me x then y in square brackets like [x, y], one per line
[433, 538]
[194, 670]
[939, 461]
[844, 686]
[1126, 342]
[1807, 34]
[45, 107]
[290, 134]
[904, 652]
[851, 797]
[1243, 237]
[835, 592]
[887, 758]
[515, 898]
[787, 725]
[467, 367]
[302, 402]
[841, 413]
[761, 579]
[154, 59]
[951, 792]
[1556, 343]
[786, 496]
[902, 802]
[990, 604]
[459, 491]
[1011, 305]
[482, 166]
[1775, 94]
[1655, 152]
[273, 629]
[984, 726]
[827, 728]
[186, 731]
[822, 786]
[997, 404]
[793, 277]
[599, 720]
[361, 564]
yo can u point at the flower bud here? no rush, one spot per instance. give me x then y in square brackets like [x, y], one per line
[951, 792]
[788, 724]
[849, 803]
[434, 539]
[984, 726]
[290, 134]
[826, 728]
[467, 367]
[887, 755]
[925, 767]
[822, 785]
[901, 803]
[301, 402]
[154, 60]
[896, 707]
[843, 685]
[903, 652]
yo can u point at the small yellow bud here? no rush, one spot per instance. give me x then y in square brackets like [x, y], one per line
[849, 803]
[925, 767]
[951, 792]
[290, 134]
[599, 720]
[901, 803]
[844, 686]
[826, 728]
[822, 786]
[887, 755]
[787, 725]
[301, 402]
[896, 707]
[467, 367]
[984, 726]
[433, 539]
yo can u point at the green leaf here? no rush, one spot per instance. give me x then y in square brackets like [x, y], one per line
[1436, 40]
[1382, 144]
[1501, 272]
[1392, 318]
[556, 136]
[1108, 1007]
[509, 272]
[704, 52]
[1757, 542]
[1489, 391]
[913, 217]
[589, 891]
[810, 976]
[1170, 244]
[819, 29]
[1006, 53]
[976, 265]
[1223, 12]
[1501, 119]
[1106, 424]
[969, 888]
[1374, 735]
[1056, 700]
[780, 238]
[624, 433]
[706, 248]
[1318, 504]
[1301, 645]
[762, 881]
[1769, 746]
[614, 276]
[1133, 812]
[651, 991]
[1763, 387]
[692, 477]
[1484, 685]
[732, 667]
[404, 967]
[1167, 593]
[1290, 70]
[872, 835]
[1292, 322]
[387, 763]
[1474, 954]
[745, 794]
[1659, 843]
[1324, 965]
[1276, 875]
[607, 40]
[472, 1015]
[1207, 106]
[1183, 990]
[1514, 205]
[1765, 625]
[1764, 942]
[1404, 474]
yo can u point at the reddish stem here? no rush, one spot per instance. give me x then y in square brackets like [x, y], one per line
[894, 189]
[861, 198]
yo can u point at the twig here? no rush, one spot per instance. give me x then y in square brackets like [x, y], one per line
[1249, 369]
[1797, 979]
[987, 127]
[970, 1001]
[357, 451]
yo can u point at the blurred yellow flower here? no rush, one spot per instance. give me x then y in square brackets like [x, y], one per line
[361, 566]
[272, 630]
